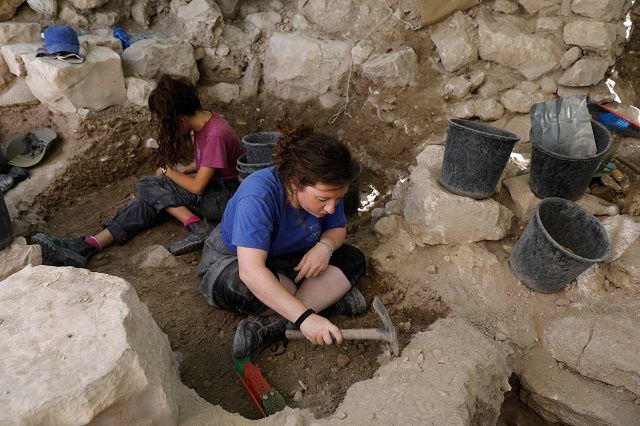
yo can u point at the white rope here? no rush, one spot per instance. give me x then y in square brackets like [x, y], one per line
[343, 108]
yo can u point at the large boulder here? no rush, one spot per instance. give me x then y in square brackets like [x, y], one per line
[394, 69]
[47, 8]
[80, 348]
[88, 4]
[8, 8]
[455, 42]
[200, 18]
[300, 68]
[151, 58]
[17, 256]
[95, 84]
[18, 32]
[439, 217]
[506, 40]
[12, 55]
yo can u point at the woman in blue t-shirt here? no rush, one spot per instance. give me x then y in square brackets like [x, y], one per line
[279, 253]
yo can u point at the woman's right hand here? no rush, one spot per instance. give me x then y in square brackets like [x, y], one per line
[320, 331]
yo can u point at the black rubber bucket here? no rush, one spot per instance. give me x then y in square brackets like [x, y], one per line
[561, 241]
[475, 155]
[259, 146]
[6, 227]
[557, 175]
[245, 168]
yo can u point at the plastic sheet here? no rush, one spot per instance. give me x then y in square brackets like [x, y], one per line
[563, 126]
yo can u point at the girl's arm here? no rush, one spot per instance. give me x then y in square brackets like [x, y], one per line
[266, 287]
[196, 185]
[316, 260]
[188, 169]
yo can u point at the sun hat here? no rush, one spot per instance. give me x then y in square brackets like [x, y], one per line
[61, 38]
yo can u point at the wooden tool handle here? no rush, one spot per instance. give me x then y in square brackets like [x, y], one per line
[348, 334]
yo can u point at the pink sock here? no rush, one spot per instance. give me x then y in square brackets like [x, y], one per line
[191, 220]
[94, 242]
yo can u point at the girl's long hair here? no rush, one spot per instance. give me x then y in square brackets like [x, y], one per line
[309, 158]
[173, 98]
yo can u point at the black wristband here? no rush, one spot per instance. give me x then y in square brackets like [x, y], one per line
[303, 317]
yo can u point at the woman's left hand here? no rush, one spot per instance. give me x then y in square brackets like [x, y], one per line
[159, 171]
[314, 263]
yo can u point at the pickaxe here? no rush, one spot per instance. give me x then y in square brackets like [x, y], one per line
[387, 333]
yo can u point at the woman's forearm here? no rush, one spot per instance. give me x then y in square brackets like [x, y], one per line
[334, 237]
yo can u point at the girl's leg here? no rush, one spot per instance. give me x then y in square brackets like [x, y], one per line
[323, 291]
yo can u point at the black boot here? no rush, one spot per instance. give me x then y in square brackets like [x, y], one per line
[64, 252]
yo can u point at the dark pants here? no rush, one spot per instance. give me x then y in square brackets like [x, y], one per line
[156, 194]
[220, 280]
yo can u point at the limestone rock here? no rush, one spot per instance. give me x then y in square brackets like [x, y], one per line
[300, 68]
[440, 217]
[394, 69]
[623, 231]
[454, 42]
[450, 374]
[362, 51]
[549, 24]
[224, 92]
[521, 126]
[153, 57]
[534, 70]
[138, 90]
[142, 11]
[524, 199]
[535, 6]
[8, 9]
[155, 257]
[516, 100]
[12, 54]
[18, 255]
[602, 347]
[95, 84]
[458, 87]
[250, 82]
[488, 109]
[15, 32]
[200, 18]
[71, 17]
[88, 4]
[47, 8]
[389, 225]
[585, 72]
[570, 57]
[597, 35]
[504, 39]
[101, 358]
[17, 93]
[624, 272]
[561, 396]
[266, 22]
[329, 100]
[605, 10]
[216, 68]
[107, 40]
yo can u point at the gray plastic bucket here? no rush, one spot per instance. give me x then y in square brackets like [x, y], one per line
[6, 227]
[245, 169]
[474, 157]
[259, 146]
[561, 241]
[556, 175]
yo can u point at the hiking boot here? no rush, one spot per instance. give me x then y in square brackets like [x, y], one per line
[352, 303]
[198, 233]
[254, 332]
[64, 252]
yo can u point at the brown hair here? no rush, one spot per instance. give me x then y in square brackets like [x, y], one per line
[311, 158]
[172, 98]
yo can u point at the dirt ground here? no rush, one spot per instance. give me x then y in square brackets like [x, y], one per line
[103, 178]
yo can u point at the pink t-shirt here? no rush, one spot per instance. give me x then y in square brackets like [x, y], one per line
[218, 146]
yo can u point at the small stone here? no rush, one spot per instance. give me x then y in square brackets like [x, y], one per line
[501, 337]
[320, 377]
[637, 401]
[168, 323]
[207, 384]
[343, 360]
[563, 302]
[297, 396]
[361, 348]
[341, 416]
[291, 355]
[302, 385]
[431, 269]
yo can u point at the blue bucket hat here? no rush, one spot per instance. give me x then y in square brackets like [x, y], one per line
[61, 38]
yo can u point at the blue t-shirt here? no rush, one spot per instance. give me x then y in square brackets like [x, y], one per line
[257, 216]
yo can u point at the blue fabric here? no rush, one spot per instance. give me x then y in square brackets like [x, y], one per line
[258, 217]
[61, 38]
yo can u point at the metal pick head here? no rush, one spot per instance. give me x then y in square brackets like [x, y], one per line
[390, 333]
